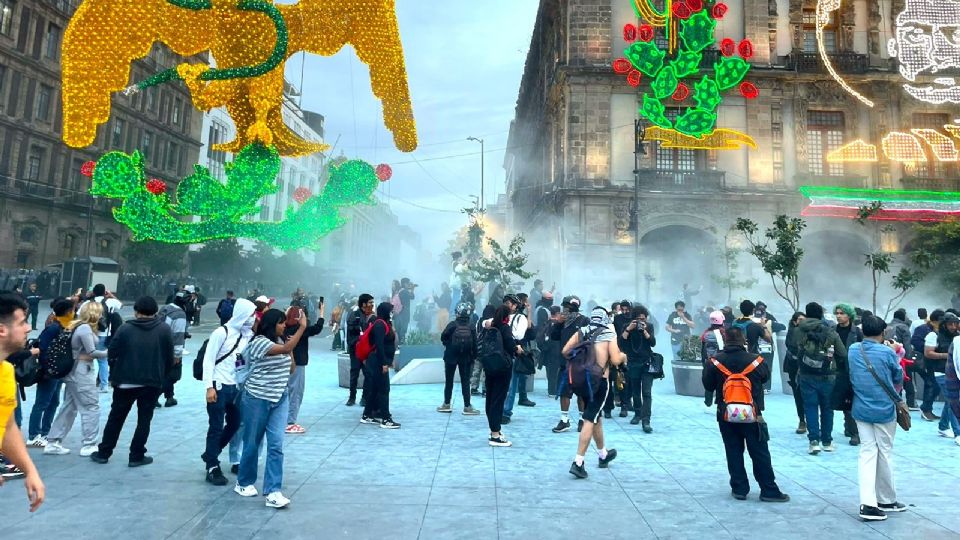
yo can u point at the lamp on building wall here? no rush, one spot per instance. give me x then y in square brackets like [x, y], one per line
[481, 167]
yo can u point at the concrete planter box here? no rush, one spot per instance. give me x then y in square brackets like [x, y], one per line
[343, 371]
[688, 378]
[408, 353]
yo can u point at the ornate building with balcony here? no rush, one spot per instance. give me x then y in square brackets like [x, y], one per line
[46, 215]
[577, 165]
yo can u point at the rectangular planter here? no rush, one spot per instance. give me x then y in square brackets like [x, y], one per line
[409, 353]
[688, 378]
[343, 371]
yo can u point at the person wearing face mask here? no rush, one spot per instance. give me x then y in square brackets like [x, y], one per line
[376, 370]
[219, 380]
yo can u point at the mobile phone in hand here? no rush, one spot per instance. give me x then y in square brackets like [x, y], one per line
[320, 301]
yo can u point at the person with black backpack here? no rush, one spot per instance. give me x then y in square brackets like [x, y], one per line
[496, 349]
[459, 339]
[47, 398]
[822, 354]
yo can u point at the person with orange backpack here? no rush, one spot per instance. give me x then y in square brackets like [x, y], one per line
[738, 378]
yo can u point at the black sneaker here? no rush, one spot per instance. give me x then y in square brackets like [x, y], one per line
[635, 420]
[929, 416]
[235, 468]
[474, 392]
[647, 428]
[526, 403]
[157, 405]
[739, 496]
[97, 457]
[505, 420]
[893, 507]
[172, 402]
[855, 440]
[145, 460]
[351, 402]
[578, 470]
[624, 413]
[611, 455]
[607, 414]
[871, 513]
[562, 426]
[9, 471]
[215, 476]
[363, 402]
[580, 425]
[368, 420]
[389, 424]
[782, 498]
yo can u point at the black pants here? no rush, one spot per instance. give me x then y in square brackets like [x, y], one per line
[355, 367]
[401, 324]
[708, 397]
[910, 388]
[641, 385]
[797, 395]
[735, 436]
[498, 384]
[33, 318]
[123, 399]
[226, 408]
[553, 375]
[465, 366]
[376, 388]
[930, 389]
[850, 428]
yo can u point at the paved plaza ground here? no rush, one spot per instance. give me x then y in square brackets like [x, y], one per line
[436, 478]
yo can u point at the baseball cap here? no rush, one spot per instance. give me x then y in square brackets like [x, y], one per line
[572, 302]
[262, 298]
[949, 318]
[716, 317]
[512, 298]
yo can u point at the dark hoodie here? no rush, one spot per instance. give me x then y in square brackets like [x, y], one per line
[736, 359]
[446, 337]
[141, 353]
[301, 353]
[384, 343]
[804, 330]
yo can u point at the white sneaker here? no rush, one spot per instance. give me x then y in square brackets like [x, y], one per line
[245, 491]
[55, 449]
[707, 409]
[957, 440]
[277, 500]
[947, 433]
[37, 442]
[829, 447]
[87, 450]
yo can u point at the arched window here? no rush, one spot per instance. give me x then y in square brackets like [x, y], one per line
[28, 235]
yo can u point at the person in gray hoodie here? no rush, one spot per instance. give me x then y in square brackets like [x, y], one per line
[176, 318]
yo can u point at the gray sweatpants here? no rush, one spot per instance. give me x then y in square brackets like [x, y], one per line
[295, 389]
[79, 396]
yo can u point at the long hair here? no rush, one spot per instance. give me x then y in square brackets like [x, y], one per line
[90, 314]
[796, 317]
[268, 324]
[500, 316]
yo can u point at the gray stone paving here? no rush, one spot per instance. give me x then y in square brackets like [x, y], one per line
[437, 478]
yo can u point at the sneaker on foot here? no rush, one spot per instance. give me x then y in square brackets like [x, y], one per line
[624, 413]
[948, 433]
[647, 428]
[578, 470]
[37, 442]
[55, 449]
[445, 408]
[893, 507]
[295, 429]
[499, 441]
[913, 408]
[781, 498]
[814, 448]
[9, 471]
[580, 425]
[562, 426]
[470, 411]
[245, 491]
[505, 420]
[526, 403]
[929, 417]
[235, 468]
[611, 455]
[739, 496]
[607, 414]
[172, 402]
[635, 420]
[388, 423]
[104, 390]
[157, 405]
[707, 409]
[368, 420]
[277, 500]
[88, 450]
[855, 440]
[802, 428]
[97, 457]
[351, 402]
[871, 513]
[145, 460]
[829, 447]
[215, 476]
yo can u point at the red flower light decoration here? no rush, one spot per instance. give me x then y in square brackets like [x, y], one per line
[633, 78]
[749, 90]
[88, 168]
[745, 48]
[301, 194]
[622, 66]
[681, 10]
[384, 172]
[681, 93]
[728, 47]
[629, 32]
[156, 186]
[695, 5]
[646, 32]
[719, 10]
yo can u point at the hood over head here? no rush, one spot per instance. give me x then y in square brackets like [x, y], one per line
[243, 309]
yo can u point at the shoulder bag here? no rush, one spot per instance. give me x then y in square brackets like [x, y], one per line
[903, 413]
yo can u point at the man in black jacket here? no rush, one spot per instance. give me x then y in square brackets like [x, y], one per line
[376, 370]
[141, 355]
[356, 324]
[735, 359]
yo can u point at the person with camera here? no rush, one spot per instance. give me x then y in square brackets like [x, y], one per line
[637, 341]
[620, 376]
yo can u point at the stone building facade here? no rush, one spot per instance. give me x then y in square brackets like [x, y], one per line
[46, 215]
[572, 167]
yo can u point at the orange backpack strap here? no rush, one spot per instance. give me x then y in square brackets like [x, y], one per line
[753, 365]
[721, 367]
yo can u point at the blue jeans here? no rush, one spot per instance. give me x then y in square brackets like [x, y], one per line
[219, 436]
[816, 407]
[103, 371]
[44, 407]
[675, 347]
[260, 417]
[947, 419]
[518, 383]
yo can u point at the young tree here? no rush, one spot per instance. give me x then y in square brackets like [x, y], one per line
[729, 280]
[779, 253]
[502, 263]
[154, 257]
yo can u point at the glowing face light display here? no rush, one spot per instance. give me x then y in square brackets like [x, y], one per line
[927, 42]
[896, 205]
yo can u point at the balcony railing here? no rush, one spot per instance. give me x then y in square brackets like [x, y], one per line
[850, 181]
[671, 180]
[844, 62]
[931, 184]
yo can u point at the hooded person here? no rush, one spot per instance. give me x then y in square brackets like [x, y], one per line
[711, 344]
[821, 354]
[219, 380]
[175, 316]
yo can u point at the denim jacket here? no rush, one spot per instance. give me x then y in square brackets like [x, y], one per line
[871, 403]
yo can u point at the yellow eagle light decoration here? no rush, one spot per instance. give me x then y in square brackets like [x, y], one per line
[250, 40]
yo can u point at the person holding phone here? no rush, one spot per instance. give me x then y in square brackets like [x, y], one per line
[296, 317]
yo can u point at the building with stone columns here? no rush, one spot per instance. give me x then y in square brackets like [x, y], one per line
[572, 165]
[46, 215]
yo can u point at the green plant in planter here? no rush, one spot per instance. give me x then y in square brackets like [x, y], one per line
[419, 337]
[690, 349]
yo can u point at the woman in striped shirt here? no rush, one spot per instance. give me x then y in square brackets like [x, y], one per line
[265, 405]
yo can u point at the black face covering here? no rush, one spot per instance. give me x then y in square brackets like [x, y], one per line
[384, 310]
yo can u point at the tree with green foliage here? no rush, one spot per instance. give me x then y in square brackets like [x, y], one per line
[502, 263]
[151, 257]
[779, 253]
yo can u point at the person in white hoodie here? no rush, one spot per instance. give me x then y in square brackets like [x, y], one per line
[219, 380]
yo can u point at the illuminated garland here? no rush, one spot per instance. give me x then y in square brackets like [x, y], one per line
[695, 127]
[825, 8]
[925, 43]
[225, 209]
[896, 205]
[903, 147]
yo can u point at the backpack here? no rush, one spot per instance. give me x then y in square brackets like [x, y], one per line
[491, 353]
[583, 374]
[26, 368]
[738, 393]
[690, 349]
[713, 343]
[462, 342]
[742, 324]
[815, 358]
[544, 329]
[59, 361]
[364, 347]
[397, 304]
[198, 361]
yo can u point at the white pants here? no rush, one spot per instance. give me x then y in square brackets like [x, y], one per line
[875, 466]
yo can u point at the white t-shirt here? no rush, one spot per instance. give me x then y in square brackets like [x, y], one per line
[930, 340]
[518, 325]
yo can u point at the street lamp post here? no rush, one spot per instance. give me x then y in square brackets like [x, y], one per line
[639, 134]
[474, 139]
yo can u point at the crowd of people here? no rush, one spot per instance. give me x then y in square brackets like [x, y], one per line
[253, 370]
